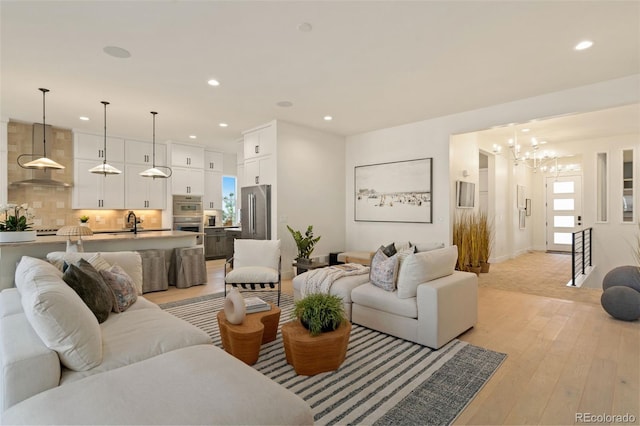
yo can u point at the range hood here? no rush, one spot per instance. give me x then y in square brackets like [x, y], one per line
[39, 177]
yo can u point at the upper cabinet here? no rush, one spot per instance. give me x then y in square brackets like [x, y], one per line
[138, 152]
[96, 191]
[90, 147]
[260, 142]
[213, 161]
[190, 156]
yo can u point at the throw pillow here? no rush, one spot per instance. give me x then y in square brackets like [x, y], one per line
[90, 286]
[420, 247]
[402, 255]
[383, 270]
[58, 315]
[122, 287]
[389, 250]
[424, 267]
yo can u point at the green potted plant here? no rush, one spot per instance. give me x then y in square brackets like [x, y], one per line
[320, 312]
[84, 219]
[305, 243]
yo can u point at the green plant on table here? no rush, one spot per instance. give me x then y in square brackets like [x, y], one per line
[16, 217]
[320, 312]
[84, 218]
[305, 243]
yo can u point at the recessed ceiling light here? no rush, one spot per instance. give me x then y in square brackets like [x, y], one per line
[223, 124]
[328, 118]
[193, 137]
[285, 104]
[116, 52]
[213, 82]
[305, 27]
[83, 118]
[525, 130]
[585, 44]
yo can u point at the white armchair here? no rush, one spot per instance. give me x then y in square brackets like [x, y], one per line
[255, 263]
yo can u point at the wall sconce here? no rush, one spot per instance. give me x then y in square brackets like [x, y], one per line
[72, 231]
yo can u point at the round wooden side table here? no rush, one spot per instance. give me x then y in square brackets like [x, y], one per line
[312, 355]
[243, 340]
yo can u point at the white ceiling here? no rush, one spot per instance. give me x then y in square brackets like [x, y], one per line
[368, 64]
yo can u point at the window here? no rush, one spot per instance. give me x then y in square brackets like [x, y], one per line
[627, 185]
[229, 213]
[602, 202]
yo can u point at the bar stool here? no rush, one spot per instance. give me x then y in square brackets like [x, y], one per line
[188, 267]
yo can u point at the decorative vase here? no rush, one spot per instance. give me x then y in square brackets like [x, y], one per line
[234, 307]
[86, 224]
[17, 236]
[484, 267]
[475, 269]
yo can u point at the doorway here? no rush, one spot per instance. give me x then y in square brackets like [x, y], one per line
[563, 211]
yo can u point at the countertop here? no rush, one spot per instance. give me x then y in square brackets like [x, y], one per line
[104, 236]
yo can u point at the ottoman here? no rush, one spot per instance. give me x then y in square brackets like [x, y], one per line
[341, 287]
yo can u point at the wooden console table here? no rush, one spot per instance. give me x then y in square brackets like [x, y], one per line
[312, 355]
[304, 267]
[243, 340]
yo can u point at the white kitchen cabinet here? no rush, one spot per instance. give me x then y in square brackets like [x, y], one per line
[212, 190]
[190, 156]
[97, 191]
[89, 147]
[259, 171]
[260, 142]
[143, 192]
[213, 161]
[187, 181]
[139, 152]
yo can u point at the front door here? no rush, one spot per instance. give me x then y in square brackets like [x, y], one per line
[564, 211]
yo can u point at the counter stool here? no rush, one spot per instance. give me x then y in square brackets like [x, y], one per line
[188, 267]
[154, 270]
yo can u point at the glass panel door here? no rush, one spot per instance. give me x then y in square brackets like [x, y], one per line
[564, 211]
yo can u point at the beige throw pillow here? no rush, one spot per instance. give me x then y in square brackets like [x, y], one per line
[419, 268]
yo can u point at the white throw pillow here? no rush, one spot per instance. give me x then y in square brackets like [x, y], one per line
[419, 268]
[256, 253]
[422, 247]
[58, 315]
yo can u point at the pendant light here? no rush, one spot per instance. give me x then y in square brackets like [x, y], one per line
[104, 168]
[154, 171]
[42, 163]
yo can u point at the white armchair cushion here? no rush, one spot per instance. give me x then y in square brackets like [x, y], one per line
[58, 315]
[422, 267]
[256, 253]
[252, 274]
[381, 300]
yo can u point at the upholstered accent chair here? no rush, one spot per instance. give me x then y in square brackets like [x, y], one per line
[255, 265]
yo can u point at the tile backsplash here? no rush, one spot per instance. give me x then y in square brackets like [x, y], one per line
[52, 205]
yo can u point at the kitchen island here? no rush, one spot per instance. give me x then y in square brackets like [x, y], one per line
[10, 253]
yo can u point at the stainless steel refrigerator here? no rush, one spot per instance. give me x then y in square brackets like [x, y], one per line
[255, 215]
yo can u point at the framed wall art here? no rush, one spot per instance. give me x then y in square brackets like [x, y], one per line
[527, 207]
[394, 192]
[465, 194]
[522, 219]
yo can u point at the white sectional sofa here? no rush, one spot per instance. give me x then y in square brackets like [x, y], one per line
[430, 302]
[58, 365]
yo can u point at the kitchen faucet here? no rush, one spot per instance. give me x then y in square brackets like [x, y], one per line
[135, 221]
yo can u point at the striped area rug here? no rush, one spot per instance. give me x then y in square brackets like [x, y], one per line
[384, 380]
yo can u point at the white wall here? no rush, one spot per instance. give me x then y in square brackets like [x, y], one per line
[430, 138]
[310, 189]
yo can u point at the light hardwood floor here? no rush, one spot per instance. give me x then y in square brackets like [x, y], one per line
[564, 356]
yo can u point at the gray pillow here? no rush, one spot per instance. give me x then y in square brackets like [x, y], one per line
[389, 250]
[85, 280]
[383, 270]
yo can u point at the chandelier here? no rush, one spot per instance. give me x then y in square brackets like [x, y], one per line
[533, 158]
